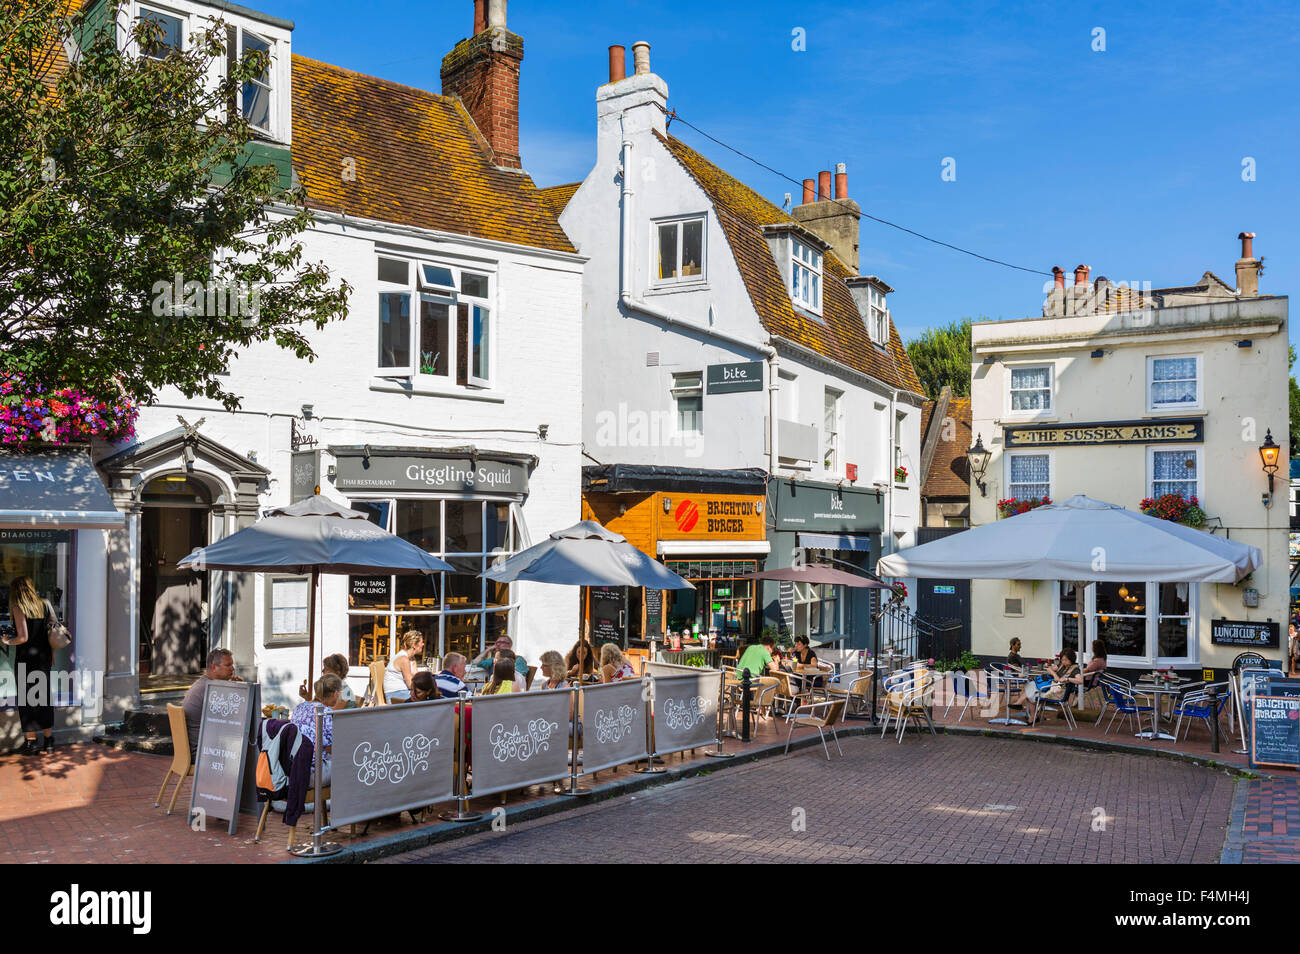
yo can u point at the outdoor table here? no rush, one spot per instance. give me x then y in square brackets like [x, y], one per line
[807, 677]
[1148, 687]
[1010, 681]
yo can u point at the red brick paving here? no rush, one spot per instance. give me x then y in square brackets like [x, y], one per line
[1270, 829]
[950, 799]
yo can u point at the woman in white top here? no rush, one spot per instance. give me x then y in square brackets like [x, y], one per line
[555, 674]
[614, 665]
[397, 677]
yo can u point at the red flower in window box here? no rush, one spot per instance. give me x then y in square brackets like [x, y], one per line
[1010, 507]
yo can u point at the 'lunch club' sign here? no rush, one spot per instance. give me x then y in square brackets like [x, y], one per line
[1180, 431]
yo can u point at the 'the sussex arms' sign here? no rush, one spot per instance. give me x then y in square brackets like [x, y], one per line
[1180, 431]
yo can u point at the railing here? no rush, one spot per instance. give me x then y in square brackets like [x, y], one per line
[906, 634]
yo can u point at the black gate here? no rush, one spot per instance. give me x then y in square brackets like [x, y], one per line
[944, 599]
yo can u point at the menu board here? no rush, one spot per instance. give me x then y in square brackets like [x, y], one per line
[223, 752]
[368, 591]
[1258, 683]
[1275, 731]
[1253, 633]
[654, 615]
[607, 604]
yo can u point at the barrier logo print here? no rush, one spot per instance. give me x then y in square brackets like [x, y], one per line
[612, 726]
[684, 714]
[223, 704]
[521, 745]
[384, 764]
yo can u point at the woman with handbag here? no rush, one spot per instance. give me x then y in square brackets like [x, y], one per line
[38, 633]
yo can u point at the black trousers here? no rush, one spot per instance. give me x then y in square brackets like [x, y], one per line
[34, 686]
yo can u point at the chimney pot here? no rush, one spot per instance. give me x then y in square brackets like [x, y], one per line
[496, 14]
[1058, 276]
[841, 182]
[809, 190]
[1247, 244]
[641, 57]
[823, 185]
[480, 16]
[617, 63]
[1081, 274]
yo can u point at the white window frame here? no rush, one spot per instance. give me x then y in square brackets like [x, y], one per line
[295, 638]
[137, 11]
[1010, 455]
[1021, 415]
[798, 264]
[418, 290]
[1198, 404]
[680, 222]
[877, 316]
[679, 391]
[272, 91]
[1196, 449]
[831, 439]
[1152, 611]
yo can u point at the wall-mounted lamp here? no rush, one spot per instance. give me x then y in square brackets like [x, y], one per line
[1244, 343]
[1098, 353]
[1269, 452]
[668, 505]
[978, 458]
[990, 359]
[307, 411]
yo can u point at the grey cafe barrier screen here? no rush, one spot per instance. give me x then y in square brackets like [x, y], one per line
[387, 759]
[519, 739]
[685, 706]
[613, 725]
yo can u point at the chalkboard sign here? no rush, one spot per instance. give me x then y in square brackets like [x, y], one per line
[1253, 633]
[1275, 731]
[607, 604]
[368, 591]
[223, 753]
[654, 615]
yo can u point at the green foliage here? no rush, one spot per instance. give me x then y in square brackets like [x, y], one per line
[943, 356]
[1294, 392]
[963, 663]
[107, 195]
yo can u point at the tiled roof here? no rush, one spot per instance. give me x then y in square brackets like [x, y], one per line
[418, 159]
[949, 470]
[557, 197]
[842, 336]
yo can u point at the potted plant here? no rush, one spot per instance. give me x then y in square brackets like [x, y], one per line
[900, 475]
[32, 414]
[1175, 508]
[1010, 507]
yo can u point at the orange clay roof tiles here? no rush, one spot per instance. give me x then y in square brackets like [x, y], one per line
[418, 160]
[949, 469]
[842, 336]
[557, 197]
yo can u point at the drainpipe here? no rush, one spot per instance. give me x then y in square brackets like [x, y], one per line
[632, 303]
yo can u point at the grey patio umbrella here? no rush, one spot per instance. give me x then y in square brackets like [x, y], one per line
[587, 554]
[314, 536]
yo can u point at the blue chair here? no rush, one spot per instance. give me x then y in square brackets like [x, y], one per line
[1125, 703]
[976, 690]
[1200, 705]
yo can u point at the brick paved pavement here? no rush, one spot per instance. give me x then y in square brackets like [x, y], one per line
[966, 799]
[1265, 822]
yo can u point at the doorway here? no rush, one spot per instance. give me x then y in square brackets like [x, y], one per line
[174, 521]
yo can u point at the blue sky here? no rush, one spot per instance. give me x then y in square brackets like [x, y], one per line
[1128, 159]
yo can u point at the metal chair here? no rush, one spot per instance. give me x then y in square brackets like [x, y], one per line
[1125, 703]
[1041, 703]
[1200, 705]
[972, 691]
[821, 716]
[908, 695]
[852, 687]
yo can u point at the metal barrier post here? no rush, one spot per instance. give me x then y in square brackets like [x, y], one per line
[1235, 682]
[318, 848]
[462, 812]
[1214, 718]
[722, 690]
[744, 705]
[648, 683]
[574, 788]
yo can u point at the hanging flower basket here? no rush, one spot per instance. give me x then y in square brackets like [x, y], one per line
[1174, 507]
[1011, 507]
[900, 475]
[900, 590]
[31, 415]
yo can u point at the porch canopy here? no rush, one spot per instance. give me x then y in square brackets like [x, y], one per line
[587, 554]
[1083, 540]
[315, 536]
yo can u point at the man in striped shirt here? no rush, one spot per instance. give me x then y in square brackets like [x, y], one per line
[451, 679]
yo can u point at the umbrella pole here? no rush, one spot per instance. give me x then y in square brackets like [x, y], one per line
[311, 634]
[1079, 590]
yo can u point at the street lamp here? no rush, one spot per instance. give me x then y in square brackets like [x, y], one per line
[1269, 452]
[978, 457]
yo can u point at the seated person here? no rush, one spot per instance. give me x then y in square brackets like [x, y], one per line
[337, 664]
[1013, 654]
[614, 665]
[397, 676]
[1096, 665]
[423, 687]
[582, 661]
[803, 658]
[329, 693]
[554, 674]
[486, 660]
[221, 666]
[1064, 674]
[451, 681]
[757, 658]
[503, 678]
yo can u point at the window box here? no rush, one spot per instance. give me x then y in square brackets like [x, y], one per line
[1012, 507]
[1176, 508]
[900, 475]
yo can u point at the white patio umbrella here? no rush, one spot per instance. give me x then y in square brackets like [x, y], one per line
[315, 536]
[1082, 541]
[586, 554]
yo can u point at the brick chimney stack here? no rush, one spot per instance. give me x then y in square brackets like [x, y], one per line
[834, 220]
[1248, 267]
[1058, 276]
[1081, 274]
[484, 72]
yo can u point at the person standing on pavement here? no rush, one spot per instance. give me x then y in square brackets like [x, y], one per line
[35, 656]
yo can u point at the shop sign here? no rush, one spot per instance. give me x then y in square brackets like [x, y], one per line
[35, 537]
[711, 516]
[1275, 731]
[1253, 633]
[223, 750]
[304, 473]
[732, 378]
[1180, 431]
[811, 507]
[945, 590]
[353, 472]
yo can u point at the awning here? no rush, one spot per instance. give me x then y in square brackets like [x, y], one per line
[711, 547]
[835, 541]
[54, 487]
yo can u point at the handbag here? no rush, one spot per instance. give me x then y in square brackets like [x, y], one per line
[58, 634]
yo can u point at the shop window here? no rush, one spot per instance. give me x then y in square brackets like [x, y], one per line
[721, 604]
[816, 610]
[1175, 619]
[688, 395]
[44, 556]
[287, 602]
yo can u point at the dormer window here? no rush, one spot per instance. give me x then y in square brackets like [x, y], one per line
[255, 94]
[172, 38]
[877, 316]
[806, 276]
